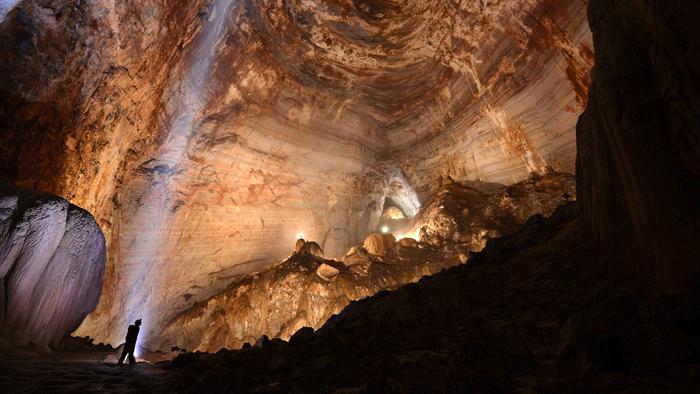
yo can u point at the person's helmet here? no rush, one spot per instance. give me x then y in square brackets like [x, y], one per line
[138, 322]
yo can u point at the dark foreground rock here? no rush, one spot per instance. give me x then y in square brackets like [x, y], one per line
[52, 259]
[638, 165]
[532, 313]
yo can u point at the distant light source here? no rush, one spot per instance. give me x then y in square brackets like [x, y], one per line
[415, 235]
[300, 236]
[138, 352]
[385, 229]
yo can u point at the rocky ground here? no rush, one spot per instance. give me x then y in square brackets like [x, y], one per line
[530, 313]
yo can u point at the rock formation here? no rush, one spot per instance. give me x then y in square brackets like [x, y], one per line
[460, 216]
[52, 259]
[206, 135]
[306, 289]
[303, 291]
[638, 168]
[533, 312]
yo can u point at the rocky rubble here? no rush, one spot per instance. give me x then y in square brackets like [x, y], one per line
[306, 289]
[533, 312]
[52, 259]
[463, 218]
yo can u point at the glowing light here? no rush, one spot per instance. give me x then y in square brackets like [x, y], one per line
[300, 236]
[138, 352]
[385, 229]
[6, 6]
[186, 104]
[415, 235]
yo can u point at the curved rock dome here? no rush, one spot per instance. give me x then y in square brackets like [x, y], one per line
[206, 136]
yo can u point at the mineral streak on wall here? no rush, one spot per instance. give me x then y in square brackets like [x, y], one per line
[303, 104]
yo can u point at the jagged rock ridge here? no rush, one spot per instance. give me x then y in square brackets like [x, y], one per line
[305, 290]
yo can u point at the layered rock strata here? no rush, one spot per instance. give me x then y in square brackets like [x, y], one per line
[52, 259]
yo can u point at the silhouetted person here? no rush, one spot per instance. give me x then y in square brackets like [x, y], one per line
[131, 335]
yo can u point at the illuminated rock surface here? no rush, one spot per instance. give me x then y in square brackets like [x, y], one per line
[52, 258]
[206, 135]
[536, 311]
[463, 218]
[306, 290]
[302, 291]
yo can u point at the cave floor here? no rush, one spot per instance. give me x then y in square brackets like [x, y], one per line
[74, 371]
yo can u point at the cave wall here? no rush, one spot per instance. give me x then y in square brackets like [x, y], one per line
[205, 135]
[102, 107]
[638, 164]
[507, 99]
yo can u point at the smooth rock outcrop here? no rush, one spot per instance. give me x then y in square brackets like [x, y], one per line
[52, 259]
[638, 168]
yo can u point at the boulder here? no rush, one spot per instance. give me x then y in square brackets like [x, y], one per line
[376, 244]
[408, 243]
[326, 272]
[357, 260]
[263, 341]
[302, 335]
[52, 260]
[389, 241]
[313, 249]
[299, 246]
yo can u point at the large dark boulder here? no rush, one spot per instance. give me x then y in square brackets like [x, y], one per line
[52, 260]
[638, 164]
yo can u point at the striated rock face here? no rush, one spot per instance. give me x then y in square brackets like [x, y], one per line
[52, 259]
[207, 135]
[638, 166]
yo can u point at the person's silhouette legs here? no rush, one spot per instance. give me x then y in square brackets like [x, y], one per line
[123, 356]
[127, 352]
